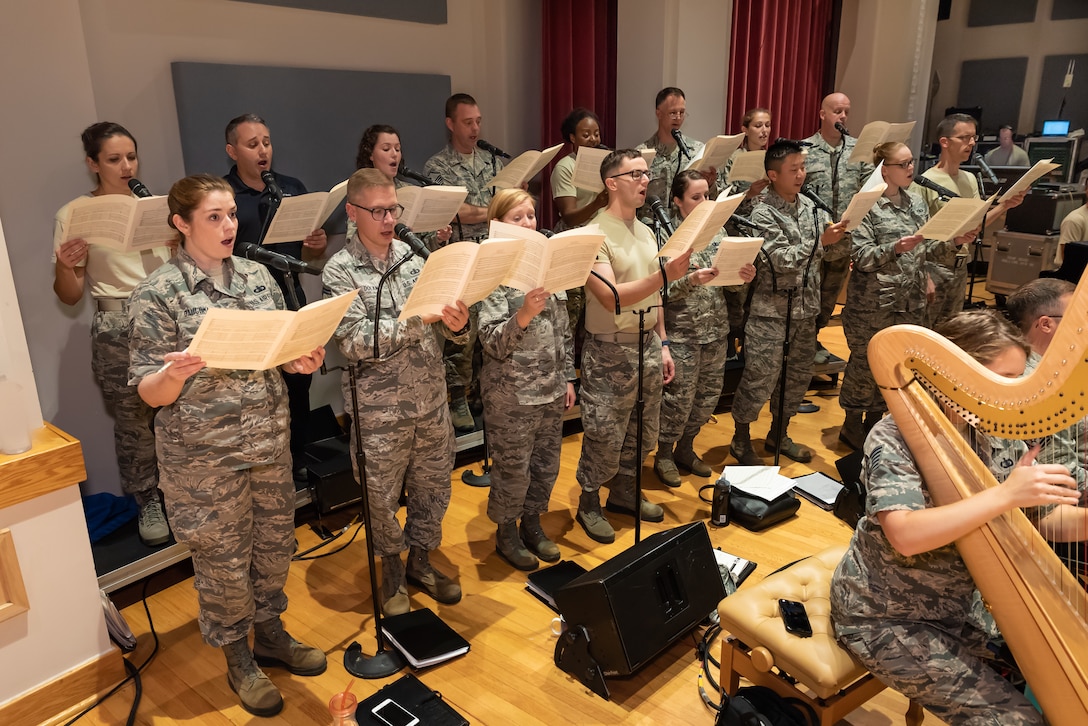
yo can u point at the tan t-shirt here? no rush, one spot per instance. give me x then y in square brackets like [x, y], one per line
[631, 250]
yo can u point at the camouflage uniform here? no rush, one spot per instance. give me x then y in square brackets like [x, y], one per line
[563, 186]
[698, 325]
[836, 182]
[524, 383]
[790, 258]
[911, 621]
[224, 460]
[403, 421]
[885, 289]
[945, 262]
[450, 167]
[664, 167]
[736, 296]
[610, 364]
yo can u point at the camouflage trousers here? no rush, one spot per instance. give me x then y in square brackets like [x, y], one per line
[240, 527]
[859, 391]
[416, 453]
[458, 357]
[525, 444]
[133, 437]
[942, 669]
[609, 420]
[735, 298]
[763, 366]
[688, 401]
[832, 276]
[951, 290]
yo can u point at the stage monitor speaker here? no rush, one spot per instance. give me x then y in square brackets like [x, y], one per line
[640, 601]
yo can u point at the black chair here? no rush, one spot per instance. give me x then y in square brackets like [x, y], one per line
[1074, 260]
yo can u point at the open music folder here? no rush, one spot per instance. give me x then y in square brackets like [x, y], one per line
[127, 224]
[302, 214]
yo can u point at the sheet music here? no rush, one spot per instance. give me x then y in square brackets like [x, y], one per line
[878, 132]
[760, 481]
[748, 167]
[427, 209]
[123, 223]
[716, 152]
[700, 227]
[298, 216]
[733, 254]
[493, 265]
[523, 168]
[866, 197]
[587, 168]
[958, 216]
[1036, 172]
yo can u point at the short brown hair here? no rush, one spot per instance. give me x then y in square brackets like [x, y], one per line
[1037, 298]
[187, 194]
[982, 334]
[231, 131]
[614, 159]
[506, 200]
[368, 178]
[458, 99]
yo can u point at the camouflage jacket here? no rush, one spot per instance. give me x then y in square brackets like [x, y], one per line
[664, 166]
[697, 313]
[223, 418]
[790, 257]
[530, 366]
[883, 280]
[875, 581]
[449, 167]
[407, 375]
[834, 180]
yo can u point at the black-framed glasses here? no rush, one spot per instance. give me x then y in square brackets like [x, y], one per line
[678, 114]
[635, 175]
[378, 213]
[965, 139]
[903, 164]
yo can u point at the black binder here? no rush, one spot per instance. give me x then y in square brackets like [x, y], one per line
[414, 697]
[424, 638]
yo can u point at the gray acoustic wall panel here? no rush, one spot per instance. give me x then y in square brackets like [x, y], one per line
[1072, 101]
[1000, 12]
[316, 116]
[995, 84]
[416, 11]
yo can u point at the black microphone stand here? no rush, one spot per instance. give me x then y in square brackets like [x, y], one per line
[274, 201]
[385, 661]
[483, 479]
[976, 254]
[640, 400]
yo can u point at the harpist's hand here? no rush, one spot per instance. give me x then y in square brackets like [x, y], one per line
[1033, 485]
[307, 363]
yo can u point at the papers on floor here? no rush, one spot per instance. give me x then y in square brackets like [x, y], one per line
[760, 481]
[866, 197]
[736, 568]
[818, 488]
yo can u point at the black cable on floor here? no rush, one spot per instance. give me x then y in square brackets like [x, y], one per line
[302, 556]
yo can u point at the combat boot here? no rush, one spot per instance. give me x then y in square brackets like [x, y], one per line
[509, 545]
[532, 534]
[686, 457]
[273, 647]
[853, 431]
[394, 593]
[790, 449]
[621, 500]
[257, 693]
[872, 418]
[592, 521]
[741, 446]
[664, 466]
[421, 574]
[460, 414]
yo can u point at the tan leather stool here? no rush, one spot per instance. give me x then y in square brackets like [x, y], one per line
[816, 670]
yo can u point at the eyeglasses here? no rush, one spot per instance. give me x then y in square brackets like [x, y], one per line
[965, 139]
[378, 213]
[677, 114]
[905, 164]
[635, 175]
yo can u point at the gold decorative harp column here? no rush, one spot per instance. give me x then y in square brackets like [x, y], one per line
[1037, 602]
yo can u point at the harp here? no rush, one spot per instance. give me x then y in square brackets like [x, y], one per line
[1038, 604]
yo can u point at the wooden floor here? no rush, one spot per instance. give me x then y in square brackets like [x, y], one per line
[508, 677]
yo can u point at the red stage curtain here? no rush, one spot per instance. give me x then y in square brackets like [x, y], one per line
[777, 57]
[579, 68]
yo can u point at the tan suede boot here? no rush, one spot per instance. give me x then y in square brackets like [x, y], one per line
[257, 693]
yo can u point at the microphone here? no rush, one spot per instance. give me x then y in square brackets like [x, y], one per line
[660, 213]
[978, 160]
[807, 191]
[841, 129]
[546, 232]
[933, 186]
[138, 188]
[415, 175]
[406, 235]
[680, 142]
[491, 148]
[270, 183]
[745, 222]
[283, 263]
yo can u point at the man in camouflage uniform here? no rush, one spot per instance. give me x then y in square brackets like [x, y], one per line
[224, 460]
[670, 107]
[403, 419]
[527, 382]
[794, 240]
[460, 163]
[836, 182]
[610, 357]
[887, 287]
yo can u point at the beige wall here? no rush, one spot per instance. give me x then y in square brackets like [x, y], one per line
[957, 43]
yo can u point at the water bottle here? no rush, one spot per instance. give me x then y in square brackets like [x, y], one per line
[719, 506]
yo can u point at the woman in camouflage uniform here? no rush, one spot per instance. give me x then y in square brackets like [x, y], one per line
[527, 383]
[902, 600]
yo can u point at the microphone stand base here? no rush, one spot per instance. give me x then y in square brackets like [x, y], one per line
[476, 480]
[380, 665]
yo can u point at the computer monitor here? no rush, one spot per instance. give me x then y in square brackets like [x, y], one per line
[1062, 150]
[1057, 127]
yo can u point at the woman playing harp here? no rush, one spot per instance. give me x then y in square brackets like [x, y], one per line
[901, 599]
